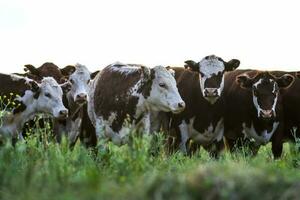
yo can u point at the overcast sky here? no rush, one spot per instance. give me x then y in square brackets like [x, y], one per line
[261, 34]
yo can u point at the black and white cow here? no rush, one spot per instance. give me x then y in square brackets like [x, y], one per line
[29, 98]
[200, 85]
[123, 91]
[254, 108]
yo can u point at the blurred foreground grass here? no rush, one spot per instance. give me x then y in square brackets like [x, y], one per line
[42, 170]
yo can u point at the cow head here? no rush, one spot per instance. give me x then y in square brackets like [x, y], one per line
[49, 98]
[79, 79]
[48, 69]
[161, 91]
[265, 91]
[211, 71]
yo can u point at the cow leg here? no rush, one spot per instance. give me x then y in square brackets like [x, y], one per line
[277, 142]
[183, 128]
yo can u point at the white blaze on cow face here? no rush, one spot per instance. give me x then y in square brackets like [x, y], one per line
[211, 78]
[80, 84]
[164, 95]
[211, 71]
[265, 91]
[265, 95]
[50, 98]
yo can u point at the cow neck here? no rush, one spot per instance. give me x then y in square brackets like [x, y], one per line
[72, 106]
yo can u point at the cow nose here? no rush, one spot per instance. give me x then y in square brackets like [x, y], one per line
[211, 92]
[63, 114]
[266, 113]
[181, 105]
[81, 98]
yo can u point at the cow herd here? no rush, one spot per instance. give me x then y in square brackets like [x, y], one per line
[205, 104]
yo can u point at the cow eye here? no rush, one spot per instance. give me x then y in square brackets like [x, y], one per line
[163, 85]
[48, 95]
[72, 81]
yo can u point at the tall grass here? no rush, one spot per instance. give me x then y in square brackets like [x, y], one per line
[40, 170]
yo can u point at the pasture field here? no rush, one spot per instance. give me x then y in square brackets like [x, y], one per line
[142, 170]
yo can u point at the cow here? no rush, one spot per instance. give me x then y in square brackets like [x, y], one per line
[200, 84]
[254, 110]
[290, 99]
[76, 98]
[29, 98]
[124, 94]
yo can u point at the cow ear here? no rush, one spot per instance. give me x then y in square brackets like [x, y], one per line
[68, 70]
[298, 74]
[94, 74]
[244, 81]
[66, 86]
[35, 88]
[232, 65]
[285, 81]
[171, 70]
[31, 69]
[192, 65]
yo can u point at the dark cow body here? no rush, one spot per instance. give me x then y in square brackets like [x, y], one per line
[201, 123]
[290, 100]
[243, 121]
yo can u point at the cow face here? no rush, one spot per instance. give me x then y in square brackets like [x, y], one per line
[164, 95]
[265, 91]
[49, 99]
[211, 71]
[80, 81]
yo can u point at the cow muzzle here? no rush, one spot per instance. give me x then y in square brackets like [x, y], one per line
[211, 93]
[81, 98]
[179, 107]
[266, 114]
[63, 114]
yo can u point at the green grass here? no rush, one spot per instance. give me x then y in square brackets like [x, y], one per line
[46, 170]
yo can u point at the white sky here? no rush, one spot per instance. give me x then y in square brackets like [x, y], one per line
[260, 33]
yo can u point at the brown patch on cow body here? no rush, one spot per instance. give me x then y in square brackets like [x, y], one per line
[114, 93]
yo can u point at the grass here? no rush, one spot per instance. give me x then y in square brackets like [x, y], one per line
[46, 170]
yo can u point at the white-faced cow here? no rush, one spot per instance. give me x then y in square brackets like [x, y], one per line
[29, 98]
[122, 92]
[254, 109]
[77, 97]
[200, 85]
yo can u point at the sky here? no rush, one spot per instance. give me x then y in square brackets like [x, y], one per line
[262, 34]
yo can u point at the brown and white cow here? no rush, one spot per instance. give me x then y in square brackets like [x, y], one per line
[254, 108]
[126, 91]
[74, 99]
[201, 86]
[29, 98]
[77, 97]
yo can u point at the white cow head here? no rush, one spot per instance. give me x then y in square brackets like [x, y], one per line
[211, 71]
[161, 91]
[79, 77]
[49, 98]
